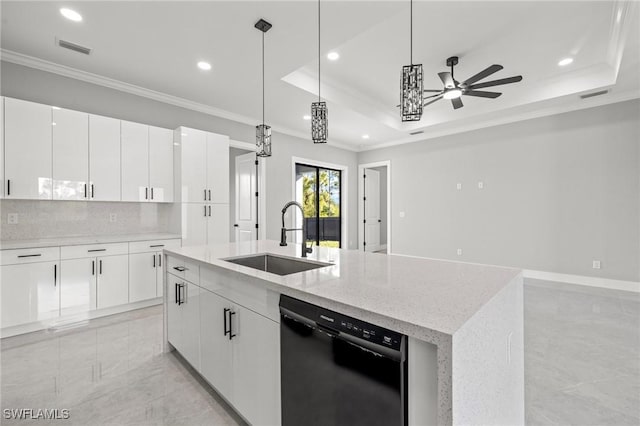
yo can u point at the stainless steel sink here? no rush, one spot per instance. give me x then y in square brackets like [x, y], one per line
[276, 264]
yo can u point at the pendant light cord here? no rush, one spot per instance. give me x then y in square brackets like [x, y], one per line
[319, 51]
[263, 78]
[411, 32]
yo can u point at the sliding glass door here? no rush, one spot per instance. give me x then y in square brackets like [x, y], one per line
[319, 190]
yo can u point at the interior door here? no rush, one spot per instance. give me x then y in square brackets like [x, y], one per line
[70, 155]
[245, 220]
[372, 210]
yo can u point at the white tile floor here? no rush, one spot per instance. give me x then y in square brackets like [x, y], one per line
[582, 362]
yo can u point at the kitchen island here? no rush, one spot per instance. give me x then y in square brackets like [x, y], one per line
[464, 322]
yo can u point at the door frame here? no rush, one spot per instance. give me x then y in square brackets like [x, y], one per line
[361, 167]
[344, 203]
[262, 187]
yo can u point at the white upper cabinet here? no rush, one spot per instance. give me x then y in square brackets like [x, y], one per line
[160, 164]
[217, 168]
[2, 146]
[193, 144]
[135, 161]
[70, 154]
[27, 150]
[104, 158]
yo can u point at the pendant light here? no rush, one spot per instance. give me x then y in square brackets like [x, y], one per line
[263, 132]
[411, 83]
[319, 112]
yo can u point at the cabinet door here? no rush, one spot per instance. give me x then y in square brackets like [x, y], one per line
[174, 312]
[218, 223]
[143, 269]
[256, 379]
[215, 346]
[135, 161]
[194, 224]
[161, 164]
[113, 280]
[29, 293]
[104, 158]
[191, 324]
[217, 168]
[2, 147]
[77, 286]
[159, 281]
[70, 154]
[27, 147]
[194, 165]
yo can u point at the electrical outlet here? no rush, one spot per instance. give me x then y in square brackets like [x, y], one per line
[12, 218]
[480, 185]
[459, 252]
[458, 186]
[113, 217]
[596, 264]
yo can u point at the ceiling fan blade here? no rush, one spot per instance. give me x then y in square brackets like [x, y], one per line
[457, 103]
[497, 82]
[481, 94]
[446, 78]
[432, 96]
[482, 74]
[430, 102]
[432, 90]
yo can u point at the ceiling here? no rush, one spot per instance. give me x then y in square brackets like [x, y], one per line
[155, 46]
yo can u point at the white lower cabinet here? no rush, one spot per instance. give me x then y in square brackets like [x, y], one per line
[112, 281]
[78, 286]
[30, 293]
[239, 348]
[256, 367]
[183, 318]
[143, 275]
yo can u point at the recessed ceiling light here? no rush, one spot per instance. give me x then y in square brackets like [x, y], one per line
[306, 117]
[564, 62]
[365, 136]
[333, 56]
[205, 66]
[72, 15]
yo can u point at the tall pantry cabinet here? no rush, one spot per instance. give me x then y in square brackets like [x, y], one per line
[202, 182]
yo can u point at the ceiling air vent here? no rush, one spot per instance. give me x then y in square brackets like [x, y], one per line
[417, 132]
[74, 47]
[591, 95]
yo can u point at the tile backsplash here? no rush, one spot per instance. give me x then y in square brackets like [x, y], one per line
[47, 219]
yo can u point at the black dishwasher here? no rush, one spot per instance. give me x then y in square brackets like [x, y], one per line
[338, 370]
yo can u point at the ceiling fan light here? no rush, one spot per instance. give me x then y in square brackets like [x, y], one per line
[452, 94]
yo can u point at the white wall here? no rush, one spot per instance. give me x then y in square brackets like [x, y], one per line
[47, 88]
[559, 192]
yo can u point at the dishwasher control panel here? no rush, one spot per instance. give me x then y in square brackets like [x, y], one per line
[343, 323]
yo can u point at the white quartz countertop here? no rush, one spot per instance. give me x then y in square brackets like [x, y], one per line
[91, 239]
[417, 296]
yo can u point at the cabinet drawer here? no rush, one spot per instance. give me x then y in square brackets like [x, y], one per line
[153, 245]
[93, 250]
[13, 257]
[186, 270]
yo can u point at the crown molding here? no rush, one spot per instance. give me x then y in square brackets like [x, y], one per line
[99, 80]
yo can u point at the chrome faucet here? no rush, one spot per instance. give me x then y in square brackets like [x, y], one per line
[283, 232]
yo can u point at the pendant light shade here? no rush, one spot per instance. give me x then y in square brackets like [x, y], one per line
[319, 112]
[263, 132]
[411, 84]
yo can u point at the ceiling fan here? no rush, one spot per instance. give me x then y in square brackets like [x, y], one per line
[454, 89]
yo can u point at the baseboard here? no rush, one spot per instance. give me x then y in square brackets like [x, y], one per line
[383, 247]
[632, 286]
